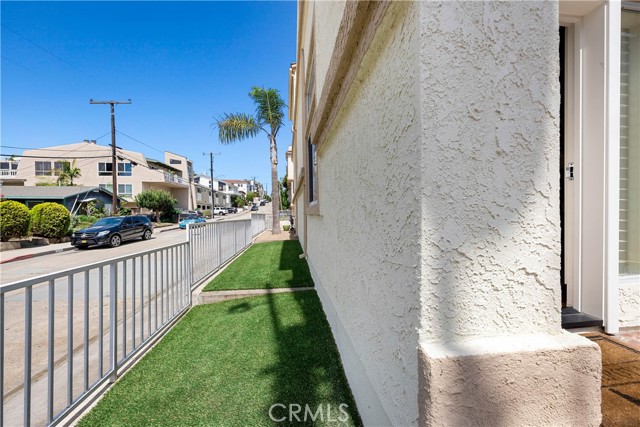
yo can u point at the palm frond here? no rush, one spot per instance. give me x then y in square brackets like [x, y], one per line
[269, 107]
[236, 127]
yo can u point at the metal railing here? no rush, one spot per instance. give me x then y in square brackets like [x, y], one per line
[65, 335]
[215, 243]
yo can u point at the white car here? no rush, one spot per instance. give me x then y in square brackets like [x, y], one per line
[219, 211]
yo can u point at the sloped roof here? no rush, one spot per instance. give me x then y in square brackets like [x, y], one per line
[47, 192]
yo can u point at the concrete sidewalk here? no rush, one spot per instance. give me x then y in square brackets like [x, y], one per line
[35, 251]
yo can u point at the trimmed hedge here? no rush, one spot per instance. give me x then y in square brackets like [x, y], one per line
[50, 220]
[14, 220]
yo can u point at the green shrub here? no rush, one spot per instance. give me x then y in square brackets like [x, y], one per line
[14, 220]
[286, 227]
[50, 220]
[124, 211]
[206, 213]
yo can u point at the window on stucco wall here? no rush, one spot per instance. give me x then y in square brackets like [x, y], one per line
[312, 158]
[629, 240]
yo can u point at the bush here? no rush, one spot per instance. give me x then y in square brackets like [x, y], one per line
[124, 211]
[14, 220]
[50, 220]
[206, 213]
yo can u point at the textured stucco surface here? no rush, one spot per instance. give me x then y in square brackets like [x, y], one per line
[363, 248]
[490, 220]
[511, 381]
[327, 18]
[629, 299]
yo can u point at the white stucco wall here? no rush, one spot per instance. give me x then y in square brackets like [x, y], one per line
[327, 18]
[629, 299]
[490, 215]
[362, 248]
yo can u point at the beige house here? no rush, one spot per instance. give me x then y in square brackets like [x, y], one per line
[496, 145]
[135, 172]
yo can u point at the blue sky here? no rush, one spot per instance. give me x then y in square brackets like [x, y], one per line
[181, 63]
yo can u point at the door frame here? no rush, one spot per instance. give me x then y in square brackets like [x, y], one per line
[580, 252]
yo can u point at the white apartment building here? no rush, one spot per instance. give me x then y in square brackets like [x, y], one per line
[136, 173]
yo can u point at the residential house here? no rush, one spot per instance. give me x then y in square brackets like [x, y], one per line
[496, 145]
[136, 173]
[75, 198]
[245, 186]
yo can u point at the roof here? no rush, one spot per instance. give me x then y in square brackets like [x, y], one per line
[163, 165]
[237, 181]
[47, 192]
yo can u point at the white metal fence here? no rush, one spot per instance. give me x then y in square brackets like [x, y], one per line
[63, 335]
[213, 244]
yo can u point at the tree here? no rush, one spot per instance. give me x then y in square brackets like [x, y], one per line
[67, 173]
[284, 195]
[268, 118]
[158, 201]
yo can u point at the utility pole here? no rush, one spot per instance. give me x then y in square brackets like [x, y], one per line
[114, 165]
[213, 192]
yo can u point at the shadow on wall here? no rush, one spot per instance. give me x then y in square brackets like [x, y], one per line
[476, 216]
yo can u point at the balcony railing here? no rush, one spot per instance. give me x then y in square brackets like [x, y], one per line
[169, 177]
[6, 172]
[66, 335]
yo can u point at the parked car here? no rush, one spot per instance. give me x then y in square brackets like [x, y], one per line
[232, 210]
[191, 219]
[254, 208]
[219, 211]
[262, 203]
[113, 231]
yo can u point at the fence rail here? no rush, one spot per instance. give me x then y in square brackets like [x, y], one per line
[64, 335]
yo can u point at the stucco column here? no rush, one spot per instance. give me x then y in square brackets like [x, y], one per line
[491, 350]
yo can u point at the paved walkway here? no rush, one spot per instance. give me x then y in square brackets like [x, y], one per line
[267, 236]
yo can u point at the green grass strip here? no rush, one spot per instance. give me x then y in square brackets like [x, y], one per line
[265, 266]
[226, 364]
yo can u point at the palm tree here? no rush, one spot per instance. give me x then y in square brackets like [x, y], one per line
[68, 172]
[268, 118]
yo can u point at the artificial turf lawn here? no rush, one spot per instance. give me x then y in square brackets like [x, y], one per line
[226, 364]
[265, 266]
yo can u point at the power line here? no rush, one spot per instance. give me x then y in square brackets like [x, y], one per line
[20, 65]
[55, 157]
[137, 140]
[48, 149]
[47, 51]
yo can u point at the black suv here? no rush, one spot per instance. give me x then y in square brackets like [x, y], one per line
[112, 231]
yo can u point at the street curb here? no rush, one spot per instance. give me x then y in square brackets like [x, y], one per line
[27, 256]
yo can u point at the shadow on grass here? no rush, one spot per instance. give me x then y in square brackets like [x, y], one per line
[290, 261]
[310, 387]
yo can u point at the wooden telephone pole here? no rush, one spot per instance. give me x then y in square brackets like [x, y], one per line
[114, 165]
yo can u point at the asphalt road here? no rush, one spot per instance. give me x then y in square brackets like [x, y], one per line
[38, 266]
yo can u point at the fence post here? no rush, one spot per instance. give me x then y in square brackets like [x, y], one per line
[113, 317]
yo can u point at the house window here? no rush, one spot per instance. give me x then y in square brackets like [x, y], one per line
[124, 169]
[124, 190]
[43, 168]
[310, 87]
[312, 158]
[105, 169]
[8, 168]
[629, 240]
[58, 167]
[175, 162]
